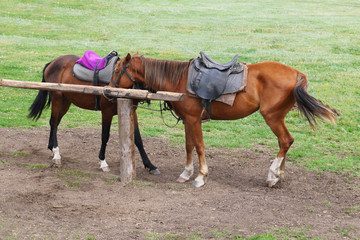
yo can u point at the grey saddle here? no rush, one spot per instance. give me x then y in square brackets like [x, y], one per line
[209, 79]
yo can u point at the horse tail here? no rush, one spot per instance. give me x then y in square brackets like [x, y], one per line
[39, 103]
[309, 106]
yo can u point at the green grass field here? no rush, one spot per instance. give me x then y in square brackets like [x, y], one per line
[319, 38]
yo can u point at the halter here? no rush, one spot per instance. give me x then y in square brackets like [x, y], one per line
[116, 84]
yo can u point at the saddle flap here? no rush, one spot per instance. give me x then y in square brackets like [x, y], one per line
[210, 63]
[209, 83]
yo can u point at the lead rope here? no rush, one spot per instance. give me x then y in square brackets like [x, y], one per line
[163, 107]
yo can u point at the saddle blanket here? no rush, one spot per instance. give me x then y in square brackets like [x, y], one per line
[90, 59]
[235, 83]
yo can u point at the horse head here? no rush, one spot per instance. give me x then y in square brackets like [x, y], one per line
[128, 72]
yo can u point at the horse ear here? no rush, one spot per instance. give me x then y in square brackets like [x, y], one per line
[136, 54]
[128, 57]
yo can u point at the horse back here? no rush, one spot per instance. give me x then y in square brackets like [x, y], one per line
[58, 67]
[274, 74]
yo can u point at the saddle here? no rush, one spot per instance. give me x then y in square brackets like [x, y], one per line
[208, 79]
[92, 68]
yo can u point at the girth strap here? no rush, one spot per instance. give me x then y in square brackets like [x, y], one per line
[206, 104]
[96, 83]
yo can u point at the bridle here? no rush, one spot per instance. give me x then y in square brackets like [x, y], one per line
[123, 70]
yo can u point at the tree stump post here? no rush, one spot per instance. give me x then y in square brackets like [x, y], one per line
[126, 112]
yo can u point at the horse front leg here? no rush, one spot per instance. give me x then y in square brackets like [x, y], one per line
[201, 179]
[105, 135]
[189, 166]
[194, 138]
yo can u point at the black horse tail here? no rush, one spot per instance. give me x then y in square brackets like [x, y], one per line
[39, 103]
[309, 106]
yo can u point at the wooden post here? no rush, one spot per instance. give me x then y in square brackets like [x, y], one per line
[126, 111]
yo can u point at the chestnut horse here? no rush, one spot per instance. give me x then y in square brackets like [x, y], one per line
[272, 88]
[60, 71]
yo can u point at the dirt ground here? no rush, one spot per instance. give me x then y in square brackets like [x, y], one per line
[49, 203]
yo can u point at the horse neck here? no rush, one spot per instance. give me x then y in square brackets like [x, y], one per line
[165, 75]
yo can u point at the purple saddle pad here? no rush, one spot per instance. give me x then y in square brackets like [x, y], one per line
[90, 59]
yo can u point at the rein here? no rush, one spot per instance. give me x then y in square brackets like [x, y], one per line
[167, 107]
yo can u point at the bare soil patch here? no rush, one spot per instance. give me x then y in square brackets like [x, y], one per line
[78, 201]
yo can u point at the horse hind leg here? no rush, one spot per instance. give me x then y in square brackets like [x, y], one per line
[59, 107]
[145, 159]
[140, 146]
[285, 140]
[53, 143]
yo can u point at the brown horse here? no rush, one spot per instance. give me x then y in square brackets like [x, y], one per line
[272, 88]
[60, 71]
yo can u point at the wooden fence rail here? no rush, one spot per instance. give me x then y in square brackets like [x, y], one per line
[108, 91]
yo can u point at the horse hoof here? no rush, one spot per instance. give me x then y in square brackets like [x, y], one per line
[105, 169]
[104, 166]
[56, 163]
[282, 175]
[198, 183]
[155, 171]
[272, 183]
[181, 180]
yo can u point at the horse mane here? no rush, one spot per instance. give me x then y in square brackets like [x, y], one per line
[157, 72]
